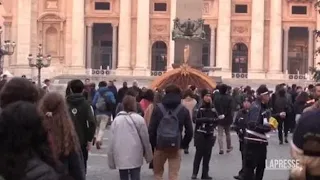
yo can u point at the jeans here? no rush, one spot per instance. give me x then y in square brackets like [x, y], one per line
[130, 174]
[102, 121]
[284, 125]
[85, 155]
[159, 159]
[226, 129]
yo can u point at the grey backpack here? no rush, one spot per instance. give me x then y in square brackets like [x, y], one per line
[168, 132]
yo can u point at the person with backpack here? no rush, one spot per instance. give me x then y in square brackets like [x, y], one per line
[104, 103]
[165, 132]
[82, 116]
[206, 120]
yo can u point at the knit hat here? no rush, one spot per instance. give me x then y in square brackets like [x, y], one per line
[205, 92]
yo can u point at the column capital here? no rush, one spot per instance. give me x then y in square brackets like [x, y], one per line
[115, 24]
[286, 28]
[89, 24]
[212, 26]
[311, 28]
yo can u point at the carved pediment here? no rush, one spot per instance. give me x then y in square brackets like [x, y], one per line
[50, 17]
[159, 27]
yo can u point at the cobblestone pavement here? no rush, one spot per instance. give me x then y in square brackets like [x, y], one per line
[222, 167]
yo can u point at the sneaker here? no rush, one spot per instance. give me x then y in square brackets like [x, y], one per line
[221, 152]
[206, 178]
[186, 151]
[194, 176]
[281, 142]
[286, 141]
[236, 177]
[229, 149]
[98, 144]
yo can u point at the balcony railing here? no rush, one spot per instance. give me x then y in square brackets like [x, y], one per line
[100, 72]
[157, 73]
[240, 75]
[298, 76]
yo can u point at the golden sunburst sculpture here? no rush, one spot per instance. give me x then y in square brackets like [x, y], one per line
[184, 76]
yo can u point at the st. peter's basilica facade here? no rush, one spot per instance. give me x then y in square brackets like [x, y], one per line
[253, 39]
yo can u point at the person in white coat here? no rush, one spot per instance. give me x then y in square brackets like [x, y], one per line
[129, 142]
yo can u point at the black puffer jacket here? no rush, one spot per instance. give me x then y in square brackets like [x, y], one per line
[38, 170]
[206, 119]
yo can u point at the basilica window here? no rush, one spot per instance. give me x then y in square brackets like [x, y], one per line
[160, 7]
[299, 10]
[104, 6]
[241, 8]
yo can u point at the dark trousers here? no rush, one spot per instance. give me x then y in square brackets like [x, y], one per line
[85, 155]
[284, 126]
[255, 159]
[242, 158]
[202, 153]
[130, 174]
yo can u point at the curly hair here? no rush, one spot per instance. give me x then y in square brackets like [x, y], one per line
[18, 89]
[58, 123]
[22, 138]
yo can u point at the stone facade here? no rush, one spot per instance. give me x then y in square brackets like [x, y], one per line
[253, 39]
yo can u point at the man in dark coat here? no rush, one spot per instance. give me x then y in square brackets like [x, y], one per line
[223, 105]
[122, 91]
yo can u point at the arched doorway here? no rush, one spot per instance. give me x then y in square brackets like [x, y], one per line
[240, 58]
[159, 56]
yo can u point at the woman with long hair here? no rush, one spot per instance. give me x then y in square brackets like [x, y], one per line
[24, 150]
[61, 134]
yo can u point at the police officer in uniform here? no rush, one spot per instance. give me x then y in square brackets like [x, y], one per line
[206, 119]
[255, 136]
[240, 128]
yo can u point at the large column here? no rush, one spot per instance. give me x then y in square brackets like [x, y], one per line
[124, 50]
[285, 49]
[224, 35]
[89, 46]
[317, 59]
[23, 31]
[257, 37]
[114, 45]
[143, 28]
[212, 46]
[173, 13]
[78, 34]
[310, 48]
[275, 55]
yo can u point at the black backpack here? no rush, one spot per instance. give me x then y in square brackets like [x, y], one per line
[168, 132]
[79, 115]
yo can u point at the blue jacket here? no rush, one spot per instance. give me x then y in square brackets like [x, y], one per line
[106, 91]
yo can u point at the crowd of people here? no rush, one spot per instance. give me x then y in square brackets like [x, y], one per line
[47, 136]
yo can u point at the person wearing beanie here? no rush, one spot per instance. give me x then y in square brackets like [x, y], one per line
[206, 119]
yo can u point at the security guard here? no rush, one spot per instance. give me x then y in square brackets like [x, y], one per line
[256, 140]
[240, 128]
[206, 119]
